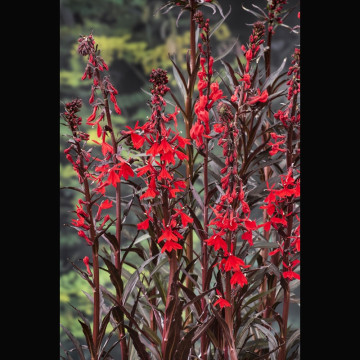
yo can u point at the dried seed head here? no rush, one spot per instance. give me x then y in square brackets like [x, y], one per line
[73, 106]
[86, 45]
[224, 111]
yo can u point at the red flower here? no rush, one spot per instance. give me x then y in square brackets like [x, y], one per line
[291, 275]
[168, 157]
[106, 219]
[113, 177]
[215, 94]
[170, 246]
[196, 133]
[222, 303]
[238, 278]
[151, 191]
[167, 234]
[233, 263]
[248, 237]
[86, 262]
[145, 169]
[125, 170]
[107, 204]
[83, 235]
[143, 225]
[261, 97]
[164, 174]
[154, 149]
[185, 219]
[217, 241]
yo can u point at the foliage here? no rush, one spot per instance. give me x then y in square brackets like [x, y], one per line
[193, 237]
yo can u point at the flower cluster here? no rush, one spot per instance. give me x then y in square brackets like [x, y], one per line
[165, 149]
[232, 212]
[74, 153]
[205, 102]
[274, 8]
[290, 115]
[109, 170]
[250, 53]
[276, 204]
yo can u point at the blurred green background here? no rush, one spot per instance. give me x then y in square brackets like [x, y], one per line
[133, 40]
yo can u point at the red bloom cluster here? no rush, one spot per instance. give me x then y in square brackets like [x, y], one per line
[232, 212]
[201, 128]
[275, 147]
[255, 40]
[250, 53]
[108, 172]
[165, 148]
[293, 89]
[275, 202]
[274, 8]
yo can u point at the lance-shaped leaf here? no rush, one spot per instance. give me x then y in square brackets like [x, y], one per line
[197, 225]
[227, 332]
[139, 346]
[114, 275]
[83, 318]
[273, 344]
[230, 73]
[227, 51]
[258, 15]
[68, 356]
[89, 340]
[274, 76]
[196, 196]
[218, 24]
[294, 338]
[179, 77]
[102, 329]
[172, 320]
[75, 342]
[134, 278]
[242, 336]
[185, 344]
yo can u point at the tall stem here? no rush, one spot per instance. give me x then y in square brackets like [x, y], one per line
[204, 250]
[123, 345]
[286, 303]
[172, 271]
[266, 284]
[95, 258]
[189, 149]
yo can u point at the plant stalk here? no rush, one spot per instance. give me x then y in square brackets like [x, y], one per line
[123, 344]
[189, 148]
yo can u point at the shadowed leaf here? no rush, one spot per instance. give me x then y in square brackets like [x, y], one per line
[139, 346]
[75, 342]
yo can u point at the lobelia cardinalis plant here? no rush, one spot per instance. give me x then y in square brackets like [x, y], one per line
[230, 188]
